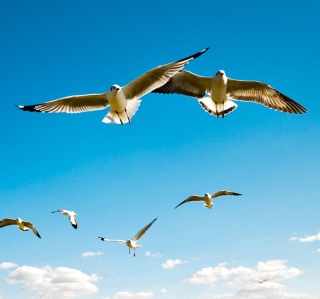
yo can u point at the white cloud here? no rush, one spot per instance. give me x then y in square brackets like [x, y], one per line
[148, 253]
[140, 295]
[90, 253]
[7, 265]
[55, 283]
[244, 281]
[163, 290]
[318, 250]
[307, 238]
[171, 263]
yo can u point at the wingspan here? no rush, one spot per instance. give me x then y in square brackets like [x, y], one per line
[8, 221]
[109, 240]
[188, 84]
[258, 92]
[142, 231]
[156, 77]
[72, 104]
[30, 225]
[224, 192]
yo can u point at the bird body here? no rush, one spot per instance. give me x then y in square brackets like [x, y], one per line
[23, 225]
[72, 216]
[215, 93]
[132, 243]
[123, 101]
[207, 198]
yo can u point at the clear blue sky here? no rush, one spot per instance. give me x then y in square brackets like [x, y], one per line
[119, 178]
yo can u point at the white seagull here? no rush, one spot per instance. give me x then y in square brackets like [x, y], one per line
[23, 225]
[207, 198]
[123, 101]
[133, 242]
[72, 216]
[221, 89]
[262, 281]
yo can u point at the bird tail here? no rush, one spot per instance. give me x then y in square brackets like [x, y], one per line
[217, 109]
[122, 117]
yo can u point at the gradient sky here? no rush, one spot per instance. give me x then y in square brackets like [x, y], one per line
[118, 178]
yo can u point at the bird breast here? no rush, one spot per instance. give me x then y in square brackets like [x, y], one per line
[117, 100]
[219, 89]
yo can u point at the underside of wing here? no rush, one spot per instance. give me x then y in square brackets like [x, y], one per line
[156, 77]
[258, 92]
[188, 84]
[7, 221]
[142, 231]
[191, 198]
[30, 225]
[72, 104]
[224, 192]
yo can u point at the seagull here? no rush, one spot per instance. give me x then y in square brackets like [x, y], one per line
[262, 281]
[72, 216]
[221, 89]
[23, 225]
[133, 242]
[123, 101]
[207, 198]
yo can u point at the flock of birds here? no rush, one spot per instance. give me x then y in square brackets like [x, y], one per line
[214, 94]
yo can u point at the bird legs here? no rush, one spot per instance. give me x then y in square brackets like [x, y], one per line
[129, 119]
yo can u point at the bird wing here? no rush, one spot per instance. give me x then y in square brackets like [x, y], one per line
[224, 192]
[191, 198]
[30, 225]
[188, 84]
[8, 221]
[142, 231]
[72, 104]
[156, 77]
[73, 220]
[109, 240]
[254, 91]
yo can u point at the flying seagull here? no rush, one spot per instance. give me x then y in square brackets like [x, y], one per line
[123, 101]
[133, 242]
[72, 216]
[221, 89]
[207, 198]
[23, 225]
[262, 281]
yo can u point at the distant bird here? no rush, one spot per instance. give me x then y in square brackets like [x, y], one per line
[23, 225]
[262, 281]
[132, 243]
[123, 101]
[221, 89]
[72, 216]
[207, 198]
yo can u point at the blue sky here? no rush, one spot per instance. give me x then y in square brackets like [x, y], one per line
[119, 178]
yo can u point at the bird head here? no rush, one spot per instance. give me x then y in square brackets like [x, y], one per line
[220, 73]
[115, 88]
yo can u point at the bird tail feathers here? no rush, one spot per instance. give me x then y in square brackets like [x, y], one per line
[123, 117]
[217, 109]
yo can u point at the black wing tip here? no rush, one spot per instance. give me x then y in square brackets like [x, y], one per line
[30, 108]
[100, 238]
[196, 55]
[74, 225]
[38, 235]
[236, 194]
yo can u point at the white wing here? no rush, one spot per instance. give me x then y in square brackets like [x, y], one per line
[254, 91]
[156, 77]
[72, 104]
[109, 240]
